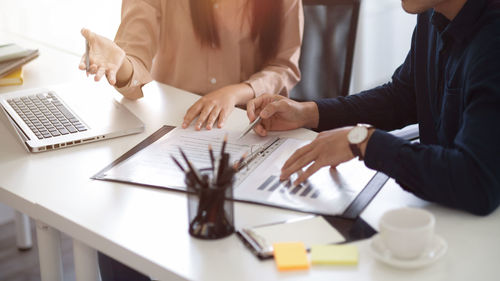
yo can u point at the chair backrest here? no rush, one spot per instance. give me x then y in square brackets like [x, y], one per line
[327, 49]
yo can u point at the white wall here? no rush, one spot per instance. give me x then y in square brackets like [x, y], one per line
[60, 21]
[383, 41]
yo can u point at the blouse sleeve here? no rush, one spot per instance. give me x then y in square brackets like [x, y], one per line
[282, 73]
[138, 36]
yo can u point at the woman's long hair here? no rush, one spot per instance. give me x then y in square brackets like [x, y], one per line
[266, 24]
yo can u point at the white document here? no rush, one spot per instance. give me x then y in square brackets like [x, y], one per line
[153, 165]
[328, 191]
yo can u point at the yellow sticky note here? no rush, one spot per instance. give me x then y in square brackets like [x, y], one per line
[290, 256]
[14, 78]
[334, 254]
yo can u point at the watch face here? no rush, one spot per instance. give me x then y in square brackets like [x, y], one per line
[357, 135]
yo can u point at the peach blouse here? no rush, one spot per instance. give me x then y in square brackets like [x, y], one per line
[159, 40]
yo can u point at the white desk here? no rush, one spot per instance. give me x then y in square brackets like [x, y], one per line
[147, 228]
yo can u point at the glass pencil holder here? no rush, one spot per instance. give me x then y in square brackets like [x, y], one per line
[210, 213]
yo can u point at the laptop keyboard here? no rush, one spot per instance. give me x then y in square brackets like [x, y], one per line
[46, 116]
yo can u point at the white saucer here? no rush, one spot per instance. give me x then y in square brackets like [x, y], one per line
[379, 251]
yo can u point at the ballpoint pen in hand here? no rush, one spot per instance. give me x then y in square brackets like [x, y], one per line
[87, 56]
[250, 127]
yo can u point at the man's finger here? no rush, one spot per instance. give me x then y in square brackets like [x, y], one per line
[251, 110]
[260, 130]
[298, 154]
[309, 172]
[273, 107]
[259, 103]
[262, 127]
[297, 161]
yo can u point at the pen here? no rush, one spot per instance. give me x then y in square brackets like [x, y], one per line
[212, 158]
[177, 163]
[250, 127]
[223, 146]
[237, 164]
[191, 167]
[87, 58]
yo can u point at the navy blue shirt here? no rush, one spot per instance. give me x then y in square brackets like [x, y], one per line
[450, 85]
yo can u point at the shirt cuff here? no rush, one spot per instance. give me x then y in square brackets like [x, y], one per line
[331, 114]
[258, 87]
[134, 85]
[382, 152]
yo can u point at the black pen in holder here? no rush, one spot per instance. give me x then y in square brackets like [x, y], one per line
[211, 215]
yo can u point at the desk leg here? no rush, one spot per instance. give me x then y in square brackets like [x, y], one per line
[49, 252]
[23, 231]
[86, 266]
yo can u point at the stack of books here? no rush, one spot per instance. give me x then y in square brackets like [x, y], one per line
[12, 58]
[13, 78]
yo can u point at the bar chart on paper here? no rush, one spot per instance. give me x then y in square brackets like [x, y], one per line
[272, 183]
[328, 191]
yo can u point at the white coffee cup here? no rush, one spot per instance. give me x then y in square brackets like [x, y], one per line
[407, 232]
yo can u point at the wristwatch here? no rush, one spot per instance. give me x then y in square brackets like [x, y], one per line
[357, 136]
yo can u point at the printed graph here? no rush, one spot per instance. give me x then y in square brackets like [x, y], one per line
[272, 184]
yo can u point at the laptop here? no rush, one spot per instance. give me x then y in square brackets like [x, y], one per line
[67, 115]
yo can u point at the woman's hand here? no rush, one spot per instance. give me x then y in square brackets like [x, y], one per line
[106, 58]
[217, 105]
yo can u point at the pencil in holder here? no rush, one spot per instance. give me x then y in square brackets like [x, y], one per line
[210, 213]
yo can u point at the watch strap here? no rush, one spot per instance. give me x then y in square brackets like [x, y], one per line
[355, 151]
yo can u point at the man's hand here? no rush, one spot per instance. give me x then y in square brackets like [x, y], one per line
[279, 114]
[330, 148]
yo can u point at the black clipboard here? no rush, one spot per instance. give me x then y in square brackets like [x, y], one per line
[351, 229]
[351, 212]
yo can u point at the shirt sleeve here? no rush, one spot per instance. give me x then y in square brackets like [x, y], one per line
[282, 73]
[466, 174]
[388, 107]
[138, 36]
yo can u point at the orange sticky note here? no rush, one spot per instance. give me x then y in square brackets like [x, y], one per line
[290, 256]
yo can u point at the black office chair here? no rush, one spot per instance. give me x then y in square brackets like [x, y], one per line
[328, 48]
